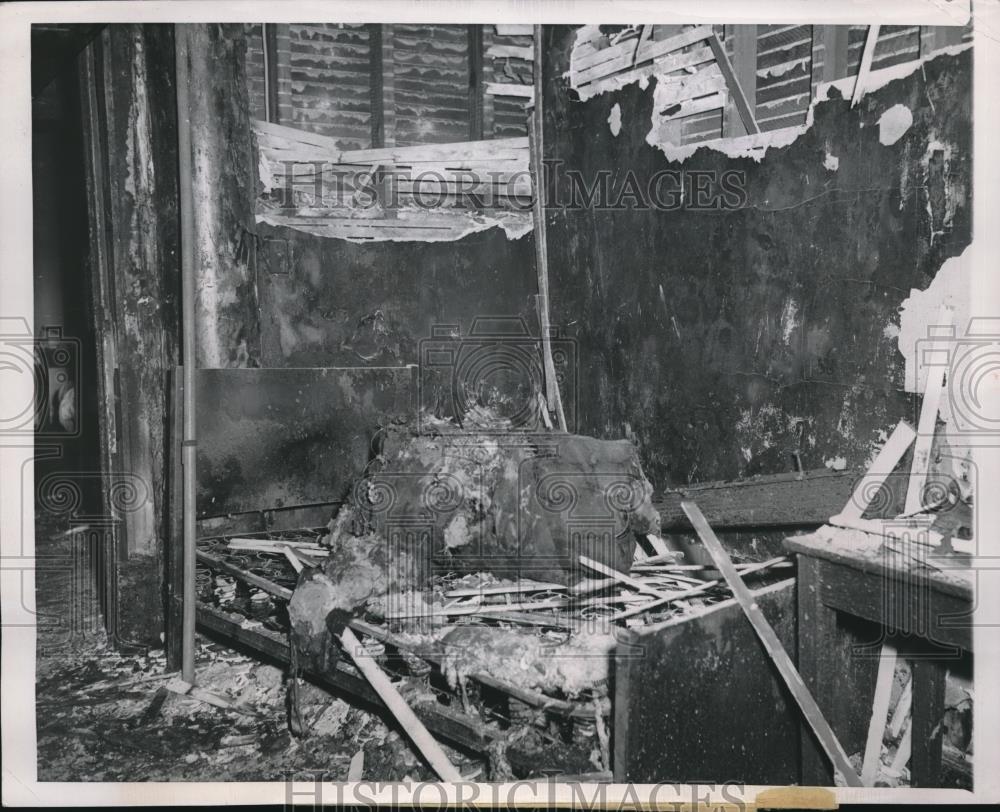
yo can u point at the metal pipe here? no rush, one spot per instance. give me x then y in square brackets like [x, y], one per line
[187, 346]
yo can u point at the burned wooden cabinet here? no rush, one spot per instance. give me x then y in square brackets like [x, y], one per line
[697, 699]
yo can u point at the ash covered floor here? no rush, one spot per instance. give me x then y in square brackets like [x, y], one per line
[103, 715]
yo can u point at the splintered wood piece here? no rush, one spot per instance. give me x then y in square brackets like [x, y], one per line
[772, 645]
[407, 719]
[733, 82]
[183, 688]
[635, 583]
[880, 710]
[695, 590]
[903, 751]
[866, 64]
[479, 609]
[660, 547]
[356, 770]
[902, 711]
[293, 560]
[933, 388]
[503, 589]
[885, 462]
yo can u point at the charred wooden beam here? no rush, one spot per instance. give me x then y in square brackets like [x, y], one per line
[449, 724]
[780, 500]
[383, 86]
[736, 90]
[475, 51]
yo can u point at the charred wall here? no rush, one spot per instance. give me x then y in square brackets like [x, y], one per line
[330, 302]
[729, 336]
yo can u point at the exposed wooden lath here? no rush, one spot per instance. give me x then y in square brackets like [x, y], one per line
[426, 192]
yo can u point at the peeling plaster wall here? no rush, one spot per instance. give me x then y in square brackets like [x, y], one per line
[727, 339]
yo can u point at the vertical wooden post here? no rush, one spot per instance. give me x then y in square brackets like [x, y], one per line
[383, 89]
[488, 76]
[744, 104]
[476, 94]
[933, 37]
[834, 52]
[269, 36]
[744, 62]
[927, 710]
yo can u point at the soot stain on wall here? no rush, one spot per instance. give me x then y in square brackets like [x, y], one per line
[730, 339]
[329, 302]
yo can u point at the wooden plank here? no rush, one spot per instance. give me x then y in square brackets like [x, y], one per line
[745, 68]
[689, 107]
[901, 713]
[620, 57]
[692, 592]
[509, 89]
[269, 32]
[275, 134]
[513, 30]
[511, 52]
[926, 720]
[804, 699]
[474, 35]
[402, 712]
[675, 90]
[735, 89]
[293, 559]
[884, 464]
[912, 604]
[774, 500]
[382, 88]
[880, 712]
[442, 721]
[933, 388]
[628, 580]
[866, 64]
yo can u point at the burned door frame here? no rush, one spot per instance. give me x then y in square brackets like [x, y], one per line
[133, 316]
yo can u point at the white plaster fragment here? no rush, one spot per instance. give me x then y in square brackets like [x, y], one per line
[615, 119]
[831, 162]
[789, 319]
[952, 286]
[893, 124]
[756, 146]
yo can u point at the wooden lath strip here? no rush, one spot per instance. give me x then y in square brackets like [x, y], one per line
[275, 135]
[668, 64]
[626, 57]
